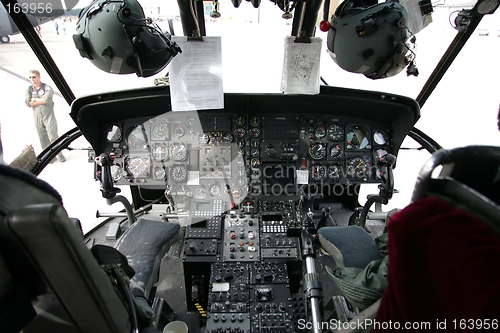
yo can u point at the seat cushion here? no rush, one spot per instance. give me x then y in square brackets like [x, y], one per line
[351, 246]
[144, 244]
[442, 260]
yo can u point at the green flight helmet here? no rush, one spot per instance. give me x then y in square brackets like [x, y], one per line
[117, 38]
[369, 40]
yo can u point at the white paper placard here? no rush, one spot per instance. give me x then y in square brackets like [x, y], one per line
[301, 66]
[196, 75]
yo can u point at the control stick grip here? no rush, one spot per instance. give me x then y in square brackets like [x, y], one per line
[107, 188]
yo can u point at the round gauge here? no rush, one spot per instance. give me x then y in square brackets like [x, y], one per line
[381, 138]
[114, 134]
[255, 143]
[240, 132]
[159, 152]
[116, 172]
[235, 192]
[357, 138]
[241, 143]
[254, 152]
[215, 137]
[335, 132]
[203, 138]
[159, 173]
[178, 151]
[317, 151]
[160, 132]
[137, 137]
[228, 138]
[215, 189]
[137, 167]
[248, 207]
[178, 131]
[239, 121]
[255, 131]
[336, 151]
[333, 172]
[178, 173]
[241, 152]
[357, 167]
[255, 162]
[320, 131]
[317, 172]
[254, 121]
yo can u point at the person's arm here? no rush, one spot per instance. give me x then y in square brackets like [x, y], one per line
[45, 99]
[27, 98]
[36, 102]
[47, 96]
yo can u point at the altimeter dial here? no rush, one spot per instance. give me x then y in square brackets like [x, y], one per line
[333, 172]
[178, 173]
[317, 151]
[317, 172]
[160, 132]
[137, 167]
[357, 168]
[178, 151]
[215, 189]
[159, 173]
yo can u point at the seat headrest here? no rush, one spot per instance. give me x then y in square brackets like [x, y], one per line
[28, 178]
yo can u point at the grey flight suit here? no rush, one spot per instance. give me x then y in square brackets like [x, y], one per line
[45, 119]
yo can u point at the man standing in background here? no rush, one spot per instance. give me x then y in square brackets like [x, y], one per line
[39, 98]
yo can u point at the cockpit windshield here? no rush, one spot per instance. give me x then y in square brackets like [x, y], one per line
[462, 109]
[221, 163]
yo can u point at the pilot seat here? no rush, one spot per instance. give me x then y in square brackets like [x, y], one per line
[49, 279]
[442, 249]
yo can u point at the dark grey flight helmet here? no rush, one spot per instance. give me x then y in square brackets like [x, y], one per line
[369, 40]
[117, 38]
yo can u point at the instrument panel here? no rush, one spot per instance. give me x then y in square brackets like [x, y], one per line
[242, 180]
[221, 155]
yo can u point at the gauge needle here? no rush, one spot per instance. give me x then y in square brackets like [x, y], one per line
[138, 165]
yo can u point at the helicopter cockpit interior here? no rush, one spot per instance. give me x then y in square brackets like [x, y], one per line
[246, 217]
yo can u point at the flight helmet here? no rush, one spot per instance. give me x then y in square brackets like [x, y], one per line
[117, 38]
[369, 39]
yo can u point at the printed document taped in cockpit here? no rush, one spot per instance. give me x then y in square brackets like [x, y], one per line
[301, 66]
[196, 75]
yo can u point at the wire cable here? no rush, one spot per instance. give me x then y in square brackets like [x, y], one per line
[195, 19]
